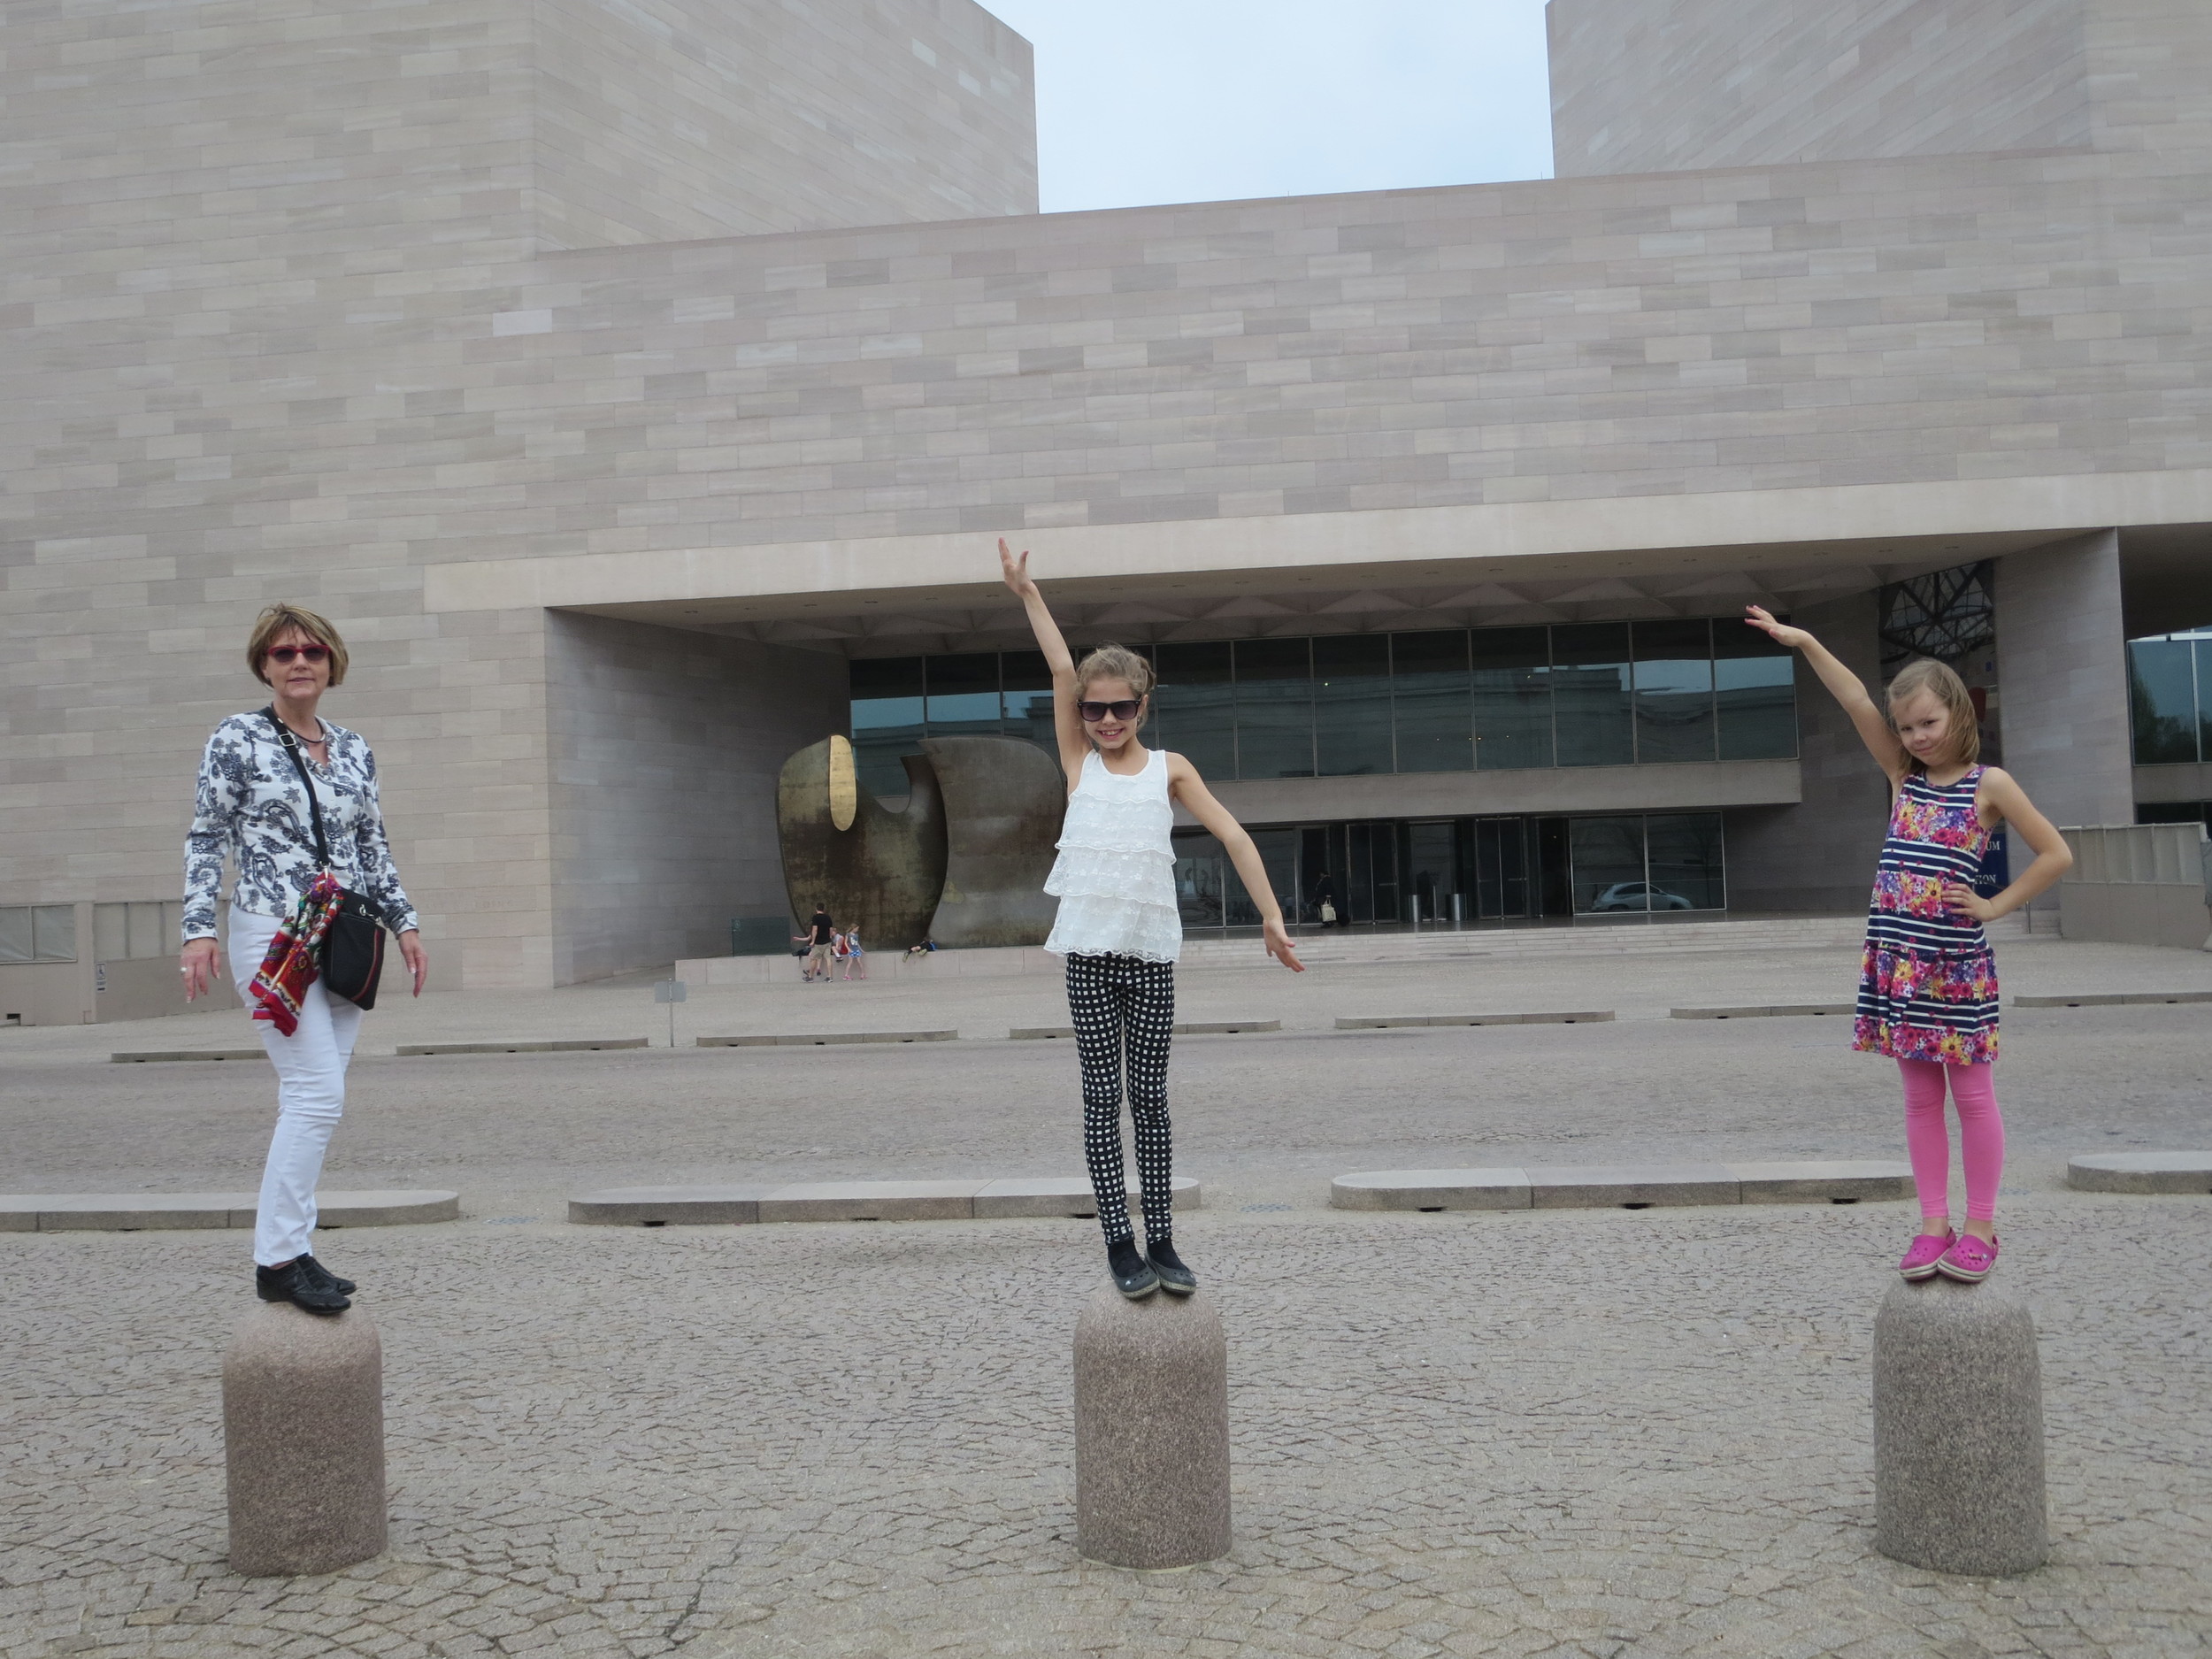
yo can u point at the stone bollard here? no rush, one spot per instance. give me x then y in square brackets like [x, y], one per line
[303, 1440]
[1151, 1431]
[1958, 1431]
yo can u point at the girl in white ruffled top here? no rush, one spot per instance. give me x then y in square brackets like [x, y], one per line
[1120, 929]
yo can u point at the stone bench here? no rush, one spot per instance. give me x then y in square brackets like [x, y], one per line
[1763, 1011]
[2141, 1172]
[2112, 999]
[564, 1045]
[1588, 1187]
[745, 1203]
[1392, 1022]
[134, 1212]
[823, 1038]
[1223, 1027]
[147, 1055]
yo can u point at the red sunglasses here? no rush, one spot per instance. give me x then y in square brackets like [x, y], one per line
[286, 653]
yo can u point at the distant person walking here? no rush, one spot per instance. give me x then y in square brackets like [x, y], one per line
[1119, 927]
[273, 784]
[1927, 979]
[822, 945]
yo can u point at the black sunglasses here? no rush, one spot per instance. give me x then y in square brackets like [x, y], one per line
[1124, 710]
[286, 653]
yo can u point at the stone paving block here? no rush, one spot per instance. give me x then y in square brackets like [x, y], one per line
[1387, 1022]
[871, 1201]
[1223, 1027]
[562, 1046]
[1066, 1195]
[1431, 1190]
[736, 1205]
[2141, 1172]
[143, 1056]
[1847, 1181]
[1595, 1186]
[825, 1039]
[1763, 1010]
[2112, 999]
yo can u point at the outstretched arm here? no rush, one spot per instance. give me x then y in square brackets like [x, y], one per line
[1065, 727]
[1185, 785]
[1874, 730]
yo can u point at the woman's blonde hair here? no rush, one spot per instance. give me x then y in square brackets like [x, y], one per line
[1114, 662]
[271, 626]
[1924, 674]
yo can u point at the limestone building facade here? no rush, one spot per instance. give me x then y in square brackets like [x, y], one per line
[642, 387]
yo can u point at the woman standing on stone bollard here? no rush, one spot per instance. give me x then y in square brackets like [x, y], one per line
[1119, 927]
[266, 779]
[1927, 981]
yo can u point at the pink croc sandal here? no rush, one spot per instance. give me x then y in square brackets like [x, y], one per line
[1969, 1260]
[1927, 1249]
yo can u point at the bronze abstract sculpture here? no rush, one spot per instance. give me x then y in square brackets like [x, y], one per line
[1003, 801]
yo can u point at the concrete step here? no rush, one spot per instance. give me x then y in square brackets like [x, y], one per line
[1634, 1186]
[1391, 1022]
[825, 1039]
[2141, 1172]
[741, 1204]
[134, 1212]
[1764, 1010]
[145, 1056]
[2111, 998]
[569, 1045]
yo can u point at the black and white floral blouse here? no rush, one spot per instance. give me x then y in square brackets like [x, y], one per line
[252, 807]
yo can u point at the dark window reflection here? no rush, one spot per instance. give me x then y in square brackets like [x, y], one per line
[2162, 688]
[1026, 686]
[1274, 709]
[886, 701]
[1674, 691]
[1351, 704]
[1683, 855]
[963, 695]
[1194, 706]
[1435, 715]
[1590, 692]
[1512, 676]
[1609, 865]
[1755, 687]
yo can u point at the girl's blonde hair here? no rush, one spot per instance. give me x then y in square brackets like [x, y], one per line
[1114, 662]
[1925, 674]
[270, 626]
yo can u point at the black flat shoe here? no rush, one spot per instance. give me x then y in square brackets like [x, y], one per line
[293, 1284]
[1133, 1276]
[325, 1278]
[1174, 1278]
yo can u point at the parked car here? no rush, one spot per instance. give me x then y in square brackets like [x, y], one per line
[1639, 896]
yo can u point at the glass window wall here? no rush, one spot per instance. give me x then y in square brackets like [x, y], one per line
[962, 697]
[1754, 685]
[887, 694]
[1591, 690]
[1433, 707]
[1674, 691]
[2169, 698]
[1512, 681]
[1351, 704]
[1274, 685]
[1194, 706]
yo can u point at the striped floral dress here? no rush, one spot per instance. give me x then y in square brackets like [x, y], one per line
[1927, 982]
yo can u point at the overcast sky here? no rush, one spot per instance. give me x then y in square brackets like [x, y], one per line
[1149, 101]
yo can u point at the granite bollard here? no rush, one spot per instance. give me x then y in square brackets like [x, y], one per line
[1958, 1431]
[303, 1440]
[1151, 1431]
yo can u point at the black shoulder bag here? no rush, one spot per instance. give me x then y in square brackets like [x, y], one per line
[353, 949]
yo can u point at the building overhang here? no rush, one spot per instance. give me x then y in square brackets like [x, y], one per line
[1691, 786]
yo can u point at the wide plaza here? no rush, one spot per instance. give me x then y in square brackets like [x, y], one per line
[1587, 1432]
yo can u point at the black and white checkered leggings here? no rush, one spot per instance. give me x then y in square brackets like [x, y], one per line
[1125, 1009]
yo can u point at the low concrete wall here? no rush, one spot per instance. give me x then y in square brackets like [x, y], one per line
[2139, 884]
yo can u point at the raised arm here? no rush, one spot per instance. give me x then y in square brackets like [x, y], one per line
[1187, 786]
[1065, 725]
[1846, 687]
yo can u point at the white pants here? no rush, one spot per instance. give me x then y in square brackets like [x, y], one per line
[310, 1067]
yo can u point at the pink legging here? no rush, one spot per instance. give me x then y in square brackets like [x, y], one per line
[1928, 1141]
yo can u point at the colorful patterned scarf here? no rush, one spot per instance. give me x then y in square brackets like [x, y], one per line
[293, 956]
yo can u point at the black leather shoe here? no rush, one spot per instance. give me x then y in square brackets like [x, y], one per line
[293, 1284]
[1175, 1279]
[325, 1278]
[1133, 1276]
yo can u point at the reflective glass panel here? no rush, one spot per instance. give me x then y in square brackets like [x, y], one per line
[1512, 676]
[1435, 717]
[1351, 704]
[15, 932]
[1279, 854]
[1201, 874]
[1609, 865]
[1590, 693]
[1274, 709]
[1683, 859]
[963, 694]
[1194, 706]
[2204, 696]
[1025, 685]
[2162, 688]
[110, 932]
[1755, 683]
[1674, 691]
[886, 693]
[54, 933]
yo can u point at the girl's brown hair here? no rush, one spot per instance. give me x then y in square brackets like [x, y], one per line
[1114, 662]
[1925, 674]
[270, 627]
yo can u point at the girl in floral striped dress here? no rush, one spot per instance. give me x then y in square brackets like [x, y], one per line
[1927, 981]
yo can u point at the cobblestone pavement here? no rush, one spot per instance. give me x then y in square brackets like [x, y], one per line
[1583, 1432]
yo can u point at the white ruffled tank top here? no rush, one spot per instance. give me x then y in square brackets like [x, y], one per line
[1115, 877]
